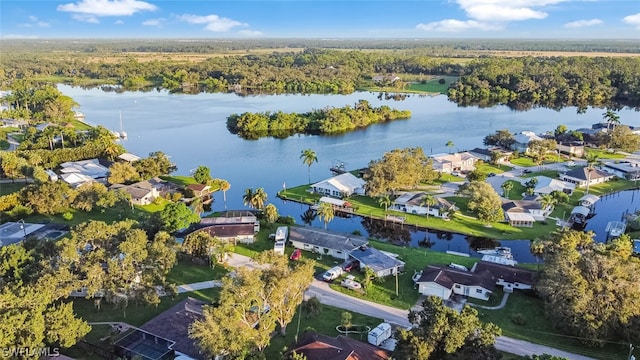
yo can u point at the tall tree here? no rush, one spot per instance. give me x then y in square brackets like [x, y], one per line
[399, 169]
[484, 201]
[325, 213]
[592, 159]
[590, 289]
[202, 174]
[428, 200]
[176, 216]
[623, 139]
[271, 213]
[308, 157]
[385, 201]
[611, 118]
[255, 198]
[440, 331]
[506, 187]
[450, 145]
[122, 173]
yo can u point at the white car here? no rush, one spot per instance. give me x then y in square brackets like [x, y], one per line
[351, 283]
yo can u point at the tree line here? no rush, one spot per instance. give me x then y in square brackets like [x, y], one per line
[321, 121]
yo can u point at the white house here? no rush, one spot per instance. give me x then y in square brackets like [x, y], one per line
[411, 202]
[448, 163]
[325, 242]
[547, 185]
[340, 186]
[522, 140]
[624, 170]
[509, 277]
[583, 176]
[529, 207]
[443, 282]
[76, 179]
[91, 168]
[486, 155]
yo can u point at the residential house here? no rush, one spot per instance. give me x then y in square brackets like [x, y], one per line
[509, 277]
[199, 190]
[128, 157]
[411, 202]
[233, 233]
[524, 213]
[137, 343]
[314, 346]
[625, 170]
[390, 79]
[91, 168]
[142, 193]
[174, 324]
[547, 185]
[325, 242]
[228, 218]
[382, 263]
[13, 123]
[340, 186]
[573, 148]
[75, 179]
[487, 154]
[583, 176]
[522, 140]
[444, 282]
[448, 163]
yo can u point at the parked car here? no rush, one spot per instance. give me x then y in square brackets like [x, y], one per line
[332, 274]
[526, 171]
[297, 253]
[458, 267]
[351, 283]
[491, 174]
[355, 264]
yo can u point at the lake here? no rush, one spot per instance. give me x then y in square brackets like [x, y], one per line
[192, 130]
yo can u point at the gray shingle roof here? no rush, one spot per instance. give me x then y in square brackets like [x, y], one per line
[326, 238]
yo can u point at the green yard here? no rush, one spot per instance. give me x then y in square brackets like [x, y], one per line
[605, 153]
[186, 272]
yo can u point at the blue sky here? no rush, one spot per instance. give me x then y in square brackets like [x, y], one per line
[555, 19]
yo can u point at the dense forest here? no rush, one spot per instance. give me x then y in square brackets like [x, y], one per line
[321, 121]
[520, 82]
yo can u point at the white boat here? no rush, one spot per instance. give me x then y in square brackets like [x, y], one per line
[499, 260]
[501, 251]
[615, 229]
[122, 134]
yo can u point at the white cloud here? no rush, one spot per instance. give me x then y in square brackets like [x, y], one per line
[453, 25]
[582, 23]
[86, 18]
[34, 21]
[96, 8]
[505, 10]
[119, 22]
[633, 20]
[213, 22]
[153, 22]
[250, 33]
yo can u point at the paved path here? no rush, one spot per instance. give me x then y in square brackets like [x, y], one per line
[498, 307]
[199, 286]
[330, 297]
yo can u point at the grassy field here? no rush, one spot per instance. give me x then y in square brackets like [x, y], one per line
[605, 154]
[486, 168]
[185, 272]
[433, 85]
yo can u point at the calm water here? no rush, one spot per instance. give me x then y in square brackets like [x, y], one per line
[192, 130]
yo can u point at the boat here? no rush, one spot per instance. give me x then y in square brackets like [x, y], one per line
[499, 260]
[615, 229]
[122, 134]
[338, 167]
[500, 251]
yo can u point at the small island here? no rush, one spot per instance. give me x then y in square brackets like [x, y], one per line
[329, 120]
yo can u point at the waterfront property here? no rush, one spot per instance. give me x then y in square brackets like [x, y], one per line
[487, 155]
[522, 141]
[529, 208]
[325, 242]
[381, 263]
[585, 176]
[91, 168]
[128, 157]
[413, 203]
[229, 228]
[547, 185]
[624, 170]
[443, 282]
[340, 186]
[142, 192]
[448, 163]
[509, 277]
[573, 148]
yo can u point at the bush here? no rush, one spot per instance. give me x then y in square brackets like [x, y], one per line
[518, 319]
[286, 220]
[441, 81]
[68, 216]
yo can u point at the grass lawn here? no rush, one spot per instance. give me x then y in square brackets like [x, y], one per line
[9, 188]
[516, 191]
[185, 272]
[605, 153]
[325, 323]
[180, 180]
[538, 329]
[486, 168]
[523, 161]
[157, 205]
[563, 210]
[548, 173]
[80, 126]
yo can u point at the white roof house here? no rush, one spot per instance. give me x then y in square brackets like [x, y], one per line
[76, 179]
[522, 140]
[340, 186]
[447, 163]
[91, 168]
[128, 157]
[547, 185]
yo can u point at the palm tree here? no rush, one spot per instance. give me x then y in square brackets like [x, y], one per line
[325, 212]
[548, 202]
[308, 216]
[271, 213]
[308, 157]
[611, 118]
[224, 186]
[246, 198]
[592, 159]
[429, 201]
[385, 201]
[259, 198]
[450, 145]
[506, 187]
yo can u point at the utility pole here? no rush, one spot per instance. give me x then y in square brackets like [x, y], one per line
[396, 281]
